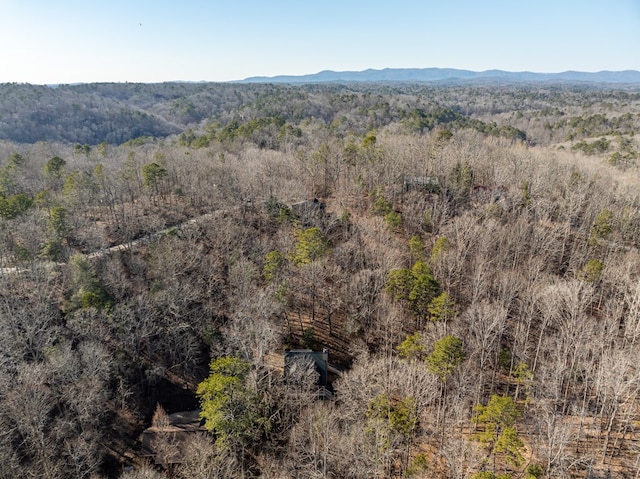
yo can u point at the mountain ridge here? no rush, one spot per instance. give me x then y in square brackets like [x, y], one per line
[448, 74]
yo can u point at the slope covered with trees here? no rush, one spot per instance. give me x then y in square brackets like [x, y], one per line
[470, 260]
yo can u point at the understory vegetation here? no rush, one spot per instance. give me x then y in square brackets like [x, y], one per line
[468, 254]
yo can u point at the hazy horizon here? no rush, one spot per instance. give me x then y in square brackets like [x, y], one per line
[77, 42]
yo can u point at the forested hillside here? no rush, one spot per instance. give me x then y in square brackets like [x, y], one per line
[467, 253]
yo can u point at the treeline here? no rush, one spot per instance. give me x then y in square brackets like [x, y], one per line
[116, 113]
[478, 292]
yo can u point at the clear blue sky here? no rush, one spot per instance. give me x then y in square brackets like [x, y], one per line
[67, 41]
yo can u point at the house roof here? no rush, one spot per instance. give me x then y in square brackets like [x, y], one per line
[166, 444]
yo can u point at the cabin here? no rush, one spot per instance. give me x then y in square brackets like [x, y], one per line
[428, 184]
[302, 364]
[296, 359]
[306, 207]
[166, 443]
[482, 194]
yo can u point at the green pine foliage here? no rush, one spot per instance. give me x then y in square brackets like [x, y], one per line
[311, 245]
[601, 228]
[498, 418]
[592, 271]
[415, 287]
[440, 247]
[87, 290]
[446, 356]
[442, 308]
[15, 205]
[412, 347]
[231, 409]
[272, 263]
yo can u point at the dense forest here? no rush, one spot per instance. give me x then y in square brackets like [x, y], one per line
[467, 253]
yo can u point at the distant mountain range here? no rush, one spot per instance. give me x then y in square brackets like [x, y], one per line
[449, 74]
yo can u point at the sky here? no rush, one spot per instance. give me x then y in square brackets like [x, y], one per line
[74, 41]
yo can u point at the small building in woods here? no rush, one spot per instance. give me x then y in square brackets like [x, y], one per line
[307, 207]
[304, 364]
[296, 359]
[428, 184]
[166, 441]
